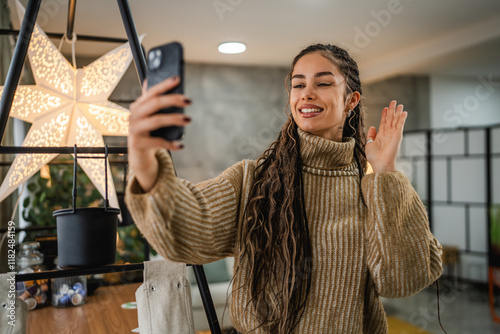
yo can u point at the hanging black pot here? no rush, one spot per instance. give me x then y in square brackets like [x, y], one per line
[87, 236]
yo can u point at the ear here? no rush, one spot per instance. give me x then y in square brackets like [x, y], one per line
[353, 102]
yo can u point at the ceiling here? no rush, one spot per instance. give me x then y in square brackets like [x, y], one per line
[386, 37]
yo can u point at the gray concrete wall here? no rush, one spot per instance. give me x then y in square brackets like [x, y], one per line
[237, 113]
[410, 90]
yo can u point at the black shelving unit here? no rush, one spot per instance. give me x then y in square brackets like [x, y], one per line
[11, 83]
[423, 150]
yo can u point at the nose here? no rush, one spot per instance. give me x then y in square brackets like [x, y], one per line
[308, 93]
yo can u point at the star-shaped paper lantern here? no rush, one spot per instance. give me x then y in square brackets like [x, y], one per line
[68, 106]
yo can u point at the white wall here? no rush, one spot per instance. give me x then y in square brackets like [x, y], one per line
[464, 101]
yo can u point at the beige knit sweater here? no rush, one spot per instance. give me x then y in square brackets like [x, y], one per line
[359, 253]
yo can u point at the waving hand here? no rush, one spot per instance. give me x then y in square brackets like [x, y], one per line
[382, 146]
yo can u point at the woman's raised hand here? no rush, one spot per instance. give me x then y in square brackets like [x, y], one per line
[143, 119]
[382, 147]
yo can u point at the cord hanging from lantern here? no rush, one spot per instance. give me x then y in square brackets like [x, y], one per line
[67, 106]
[72, 41]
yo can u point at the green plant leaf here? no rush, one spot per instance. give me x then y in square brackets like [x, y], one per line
[32, 187]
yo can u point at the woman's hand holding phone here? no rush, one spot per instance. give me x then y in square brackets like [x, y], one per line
[143, 119]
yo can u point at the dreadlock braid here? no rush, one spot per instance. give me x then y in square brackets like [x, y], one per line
[276, 242]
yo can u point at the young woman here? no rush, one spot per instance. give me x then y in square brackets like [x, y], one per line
[315, 240]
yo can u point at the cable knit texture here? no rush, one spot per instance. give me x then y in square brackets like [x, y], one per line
[359, 253]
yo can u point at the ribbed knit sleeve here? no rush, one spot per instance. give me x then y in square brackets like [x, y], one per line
[402, 254]
[188, 223]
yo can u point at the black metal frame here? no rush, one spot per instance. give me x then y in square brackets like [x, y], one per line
[115, 268]
[428, 156]
[71, 19]
[11, 83]
[80, 37]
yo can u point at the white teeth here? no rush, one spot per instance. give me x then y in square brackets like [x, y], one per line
[309, 110]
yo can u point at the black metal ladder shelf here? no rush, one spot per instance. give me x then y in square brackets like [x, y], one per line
[11, 83]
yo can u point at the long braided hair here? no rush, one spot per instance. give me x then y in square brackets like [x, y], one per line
[276, 240]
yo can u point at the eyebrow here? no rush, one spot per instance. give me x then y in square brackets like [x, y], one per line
[317, 75]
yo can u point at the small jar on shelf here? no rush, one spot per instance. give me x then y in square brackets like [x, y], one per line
[69, 291]
[35, 293]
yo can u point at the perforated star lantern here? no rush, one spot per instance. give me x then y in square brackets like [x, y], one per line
[68, 106]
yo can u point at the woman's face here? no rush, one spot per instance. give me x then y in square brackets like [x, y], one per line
[317, 97]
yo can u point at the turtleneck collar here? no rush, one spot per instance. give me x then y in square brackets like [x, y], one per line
[320, 155]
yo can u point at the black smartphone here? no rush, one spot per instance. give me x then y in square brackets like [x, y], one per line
[165, 61]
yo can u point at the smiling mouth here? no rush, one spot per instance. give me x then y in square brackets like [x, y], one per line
[308, 111]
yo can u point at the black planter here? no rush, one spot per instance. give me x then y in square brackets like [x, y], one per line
[86, 236]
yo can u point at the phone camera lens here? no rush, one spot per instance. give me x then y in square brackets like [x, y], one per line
[155, 59]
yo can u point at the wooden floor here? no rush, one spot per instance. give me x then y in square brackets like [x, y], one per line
[102, 313]
[398, 326]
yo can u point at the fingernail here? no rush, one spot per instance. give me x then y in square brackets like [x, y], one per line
[187, 119]
[175, 77]
[188, 101]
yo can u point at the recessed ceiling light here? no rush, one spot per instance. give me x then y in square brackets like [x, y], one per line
[232, 47]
